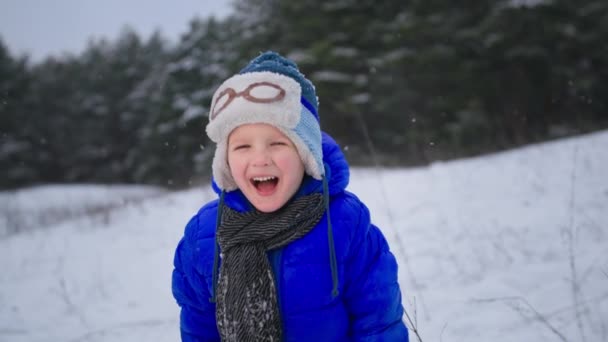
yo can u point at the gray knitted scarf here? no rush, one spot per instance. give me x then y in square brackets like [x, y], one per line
[247, 307]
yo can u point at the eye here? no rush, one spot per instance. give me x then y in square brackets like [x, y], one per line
[278, 143]
[240, 147]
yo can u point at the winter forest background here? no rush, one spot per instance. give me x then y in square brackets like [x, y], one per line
[400, 84]
[477, 132]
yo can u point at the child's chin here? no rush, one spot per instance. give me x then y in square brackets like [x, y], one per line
[268, 206]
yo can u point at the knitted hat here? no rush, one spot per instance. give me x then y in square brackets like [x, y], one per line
[269, 90]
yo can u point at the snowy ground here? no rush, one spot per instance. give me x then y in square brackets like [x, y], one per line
[508, 247]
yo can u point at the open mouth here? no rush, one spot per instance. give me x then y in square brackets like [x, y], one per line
[265, 185]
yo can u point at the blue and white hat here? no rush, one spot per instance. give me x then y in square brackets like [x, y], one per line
[270, 90]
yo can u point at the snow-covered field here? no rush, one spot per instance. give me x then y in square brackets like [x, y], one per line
[507, 247]
[38, 207]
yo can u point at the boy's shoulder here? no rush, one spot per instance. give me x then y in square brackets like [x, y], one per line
[347, 207]
[352, 224]
[347, 200]
[202, 224]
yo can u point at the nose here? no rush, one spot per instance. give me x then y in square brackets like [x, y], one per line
[261, 157]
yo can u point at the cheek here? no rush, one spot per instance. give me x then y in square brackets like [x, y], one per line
[292, 164]
[235, 164]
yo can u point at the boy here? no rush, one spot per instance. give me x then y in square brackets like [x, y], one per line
[285, 253]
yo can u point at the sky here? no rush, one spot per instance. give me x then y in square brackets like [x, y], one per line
[41, 28]
[502, 247]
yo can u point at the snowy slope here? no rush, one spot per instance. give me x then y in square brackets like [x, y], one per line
[507, 247]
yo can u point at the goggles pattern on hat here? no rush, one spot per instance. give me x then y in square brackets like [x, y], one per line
[266, 92]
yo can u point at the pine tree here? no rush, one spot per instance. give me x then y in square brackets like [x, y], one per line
[15, 81]
[177, 151]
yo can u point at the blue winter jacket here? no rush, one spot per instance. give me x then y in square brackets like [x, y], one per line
[367, 306]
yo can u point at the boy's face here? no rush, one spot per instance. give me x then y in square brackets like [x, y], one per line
[265, 165]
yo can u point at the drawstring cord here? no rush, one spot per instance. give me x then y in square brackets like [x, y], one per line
[216, 247]
[330, 238]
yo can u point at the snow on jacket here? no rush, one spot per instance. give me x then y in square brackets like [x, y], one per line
[368, 306]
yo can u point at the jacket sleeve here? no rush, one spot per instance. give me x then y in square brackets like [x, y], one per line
[197, 317]
[372, 293]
